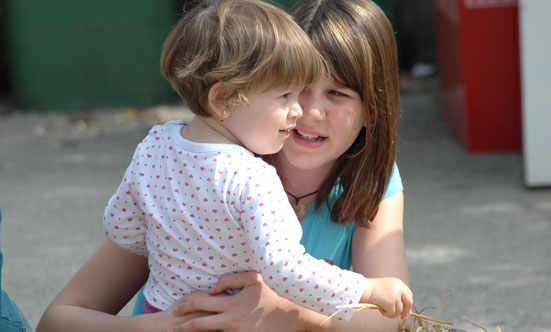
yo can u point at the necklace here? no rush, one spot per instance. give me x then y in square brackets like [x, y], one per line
[300, 209]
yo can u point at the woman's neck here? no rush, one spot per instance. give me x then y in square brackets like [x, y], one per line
[299, 181]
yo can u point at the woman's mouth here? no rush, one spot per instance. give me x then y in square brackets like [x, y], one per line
[308, 137]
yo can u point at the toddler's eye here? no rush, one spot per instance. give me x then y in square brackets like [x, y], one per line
[285, 96]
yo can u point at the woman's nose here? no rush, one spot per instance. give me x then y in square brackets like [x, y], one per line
[311, 105]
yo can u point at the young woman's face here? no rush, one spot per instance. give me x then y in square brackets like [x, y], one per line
[332, 118]
[263, 125]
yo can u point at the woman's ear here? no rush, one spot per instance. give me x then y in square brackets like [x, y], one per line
[218, 101]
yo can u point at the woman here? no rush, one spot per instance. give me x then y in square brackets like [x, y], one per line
[341, 156]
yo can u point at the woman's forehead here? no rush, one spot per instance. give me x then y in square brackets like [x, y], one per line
[335, 82]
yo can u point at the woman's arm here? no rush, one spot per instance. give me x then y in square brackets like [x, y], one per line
[376, 253]
[257, 307]
[98, 291]
[380, 250]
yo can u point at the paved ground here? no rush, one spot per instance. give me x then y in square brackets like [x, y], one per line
[472, 229]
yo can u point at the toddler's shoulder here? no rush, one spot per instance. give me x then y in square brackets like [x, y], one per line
[244, 167]
[166, 128]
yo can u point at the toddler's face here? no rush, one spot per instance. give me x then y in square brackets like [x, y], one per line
[266, 122]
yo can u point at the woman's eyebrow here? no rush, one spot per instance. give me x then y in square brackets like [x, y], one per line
[339, 85]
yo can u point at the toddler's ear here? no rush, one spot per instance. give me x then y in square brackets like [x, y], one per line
[218, 100]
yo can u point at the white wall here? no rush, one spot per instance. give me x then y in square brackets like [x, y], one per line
[535, 48]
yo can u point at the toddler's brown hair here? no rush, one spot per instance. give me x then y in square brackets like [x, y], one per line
[241, 44]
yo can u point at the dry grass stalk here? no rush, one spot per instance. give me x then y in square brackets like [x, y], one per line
[419, 317]
[478, 325]
[475, 324]
[358, 307]
[426, 323]
[422, 323]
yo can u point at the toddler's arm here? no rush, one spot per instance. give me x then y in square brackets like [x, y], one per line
[123, 221]
[274, 233]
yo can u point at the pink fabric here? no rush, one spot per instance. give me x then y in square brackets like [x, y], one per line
[148, 308]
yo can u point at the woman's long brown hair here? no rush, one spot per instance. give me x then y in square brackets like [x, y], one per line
[357, 41]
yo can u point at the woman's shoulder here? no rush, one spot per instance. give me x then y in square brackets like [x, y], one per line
[395, 183]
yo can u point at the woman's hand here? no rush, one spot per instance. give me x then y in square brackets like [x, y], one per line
[166, 320]
[255, 308]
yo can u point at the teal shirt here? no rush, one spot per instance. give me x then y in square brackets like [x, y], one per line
[325, 239]
[321, 237]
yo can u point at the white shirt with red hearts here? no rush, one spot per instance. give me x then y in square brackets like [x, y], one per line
[200, 211]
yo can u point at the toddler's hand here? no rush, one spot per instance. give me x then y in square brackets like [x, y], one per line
[393, 296]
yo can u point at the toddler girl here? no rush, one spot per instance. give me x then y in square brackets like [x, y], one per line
[197, 201]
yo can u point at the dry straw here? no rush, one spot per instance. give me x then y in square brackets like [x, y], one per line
[421, 323]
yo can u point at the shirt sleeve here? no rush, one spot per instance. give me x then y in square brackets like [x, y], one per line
[123, 221]
[395, 183]
[274, 233]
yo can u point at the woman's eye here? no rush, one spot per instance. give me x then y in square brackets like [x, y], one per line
[337, 93]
